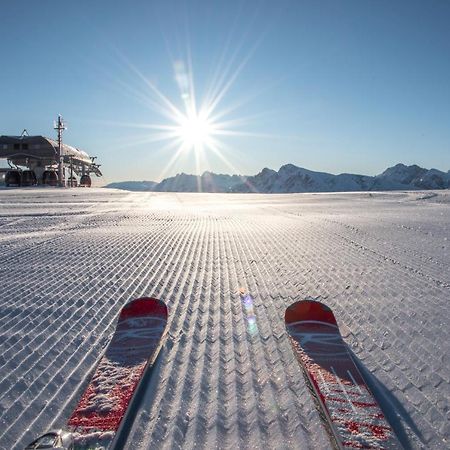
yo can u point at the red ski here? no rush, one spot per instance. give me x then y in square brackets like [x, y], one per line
[108, 400]
[351, 410]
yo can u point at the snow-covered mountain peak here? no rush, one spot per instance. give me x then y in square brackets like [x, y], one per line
[291, 178]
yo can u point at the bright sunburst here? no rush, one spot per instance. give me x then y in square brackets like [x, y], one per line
[195, 131]
[188, 127]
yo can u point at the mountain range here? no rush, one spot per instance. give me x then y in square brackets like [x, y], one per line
[291, 178]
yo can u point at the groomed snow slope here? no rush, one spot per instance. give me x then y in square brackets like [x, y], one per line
[227, 377]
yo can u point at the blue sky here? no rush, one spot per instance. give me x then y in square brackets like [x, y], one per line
[337, 86]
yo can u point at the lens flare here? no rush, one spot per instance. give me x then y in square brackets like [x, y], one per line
[247, 301]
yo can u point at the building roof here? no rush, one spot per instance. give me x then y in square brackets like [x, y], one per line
[18, 148]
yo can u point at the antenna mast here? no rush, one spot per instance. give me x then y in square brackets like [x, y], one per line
[60, 127]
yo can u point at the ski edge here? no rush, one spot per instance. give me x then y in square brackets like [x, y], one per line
[120, 438]
[292, 318]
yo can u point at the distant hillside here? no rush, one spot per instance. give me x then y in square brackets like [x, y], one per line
[133, 185]
[207, 182]
[182, 182]
[291, 178]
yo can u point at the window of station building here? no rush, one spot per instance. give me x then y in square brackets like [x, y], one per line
[5, 146]
[16, 146]
[24, 146]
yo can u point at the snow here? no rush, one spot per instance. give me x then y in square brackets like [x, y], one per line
[227, 266]
[98, 440]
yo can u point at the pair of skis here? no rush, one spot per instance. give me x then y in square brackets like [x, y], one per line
[108, 403]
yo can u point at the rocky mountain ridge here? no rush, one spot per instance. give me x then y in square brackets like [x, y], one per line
[291, 178]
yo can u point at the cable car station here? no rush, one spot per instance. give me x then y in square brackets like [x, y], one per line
[38, 160]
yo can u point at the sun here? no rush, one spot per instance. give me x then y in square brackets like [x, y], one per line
[193, 125]
[194, 130]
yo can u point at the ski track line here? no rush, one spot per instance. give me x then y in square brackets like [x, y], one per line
[229, 387]
[273, 272]
[263, 327]
[247, 381]
[266, 423]
[177, 258]
[178, 326]
[185, 394]
[175, 287]
[249, 429]
[270, 310]
[180, 343]
[425, 258]
[192, 389]
[404, 266]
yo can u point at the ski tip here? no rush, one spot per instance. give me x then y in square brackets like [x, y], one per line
[145, 306]
[309, 310]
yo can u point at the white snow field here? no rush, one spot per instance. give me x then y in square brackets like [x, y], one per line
[226, 377]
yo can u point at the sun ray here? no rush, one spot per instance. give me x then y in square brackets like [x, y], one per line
[166, 105]
[228, 79]
[247, 98]
[223, 73]
[216, 149]
[150, 126]
[179, 150]
[192, 125]
[219, 69]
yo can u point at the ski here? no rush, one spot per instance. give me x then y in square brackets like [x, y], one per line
[107, 404]
[351, 411]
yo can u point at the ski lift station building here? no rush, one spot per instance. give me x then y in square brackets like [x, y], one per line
[34, 160]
